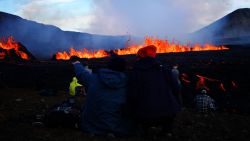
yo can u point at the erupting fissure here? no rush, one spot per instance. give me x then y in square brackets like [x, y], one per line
[11, 44]
[203, 81]
[163, 46]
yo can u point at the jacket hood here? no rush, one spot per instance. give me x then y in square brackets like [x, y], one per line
[74, 80]
[146, 63]
[148, 51]
[112, 79]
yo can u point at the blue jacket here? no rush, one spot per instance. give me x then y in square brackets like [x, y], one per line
[106, 94]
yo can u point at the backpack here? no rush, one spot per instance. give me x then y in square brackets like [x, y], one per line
[65, 114]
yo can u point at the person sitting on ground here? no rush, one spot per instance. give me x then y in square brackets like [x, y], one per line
[150, 98]
[74, 88]
[106, 94]
[203, 102]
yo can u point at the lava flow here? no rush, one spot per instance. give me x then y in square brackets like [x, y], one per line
[163, 46]
[85, 53]
[11, 44]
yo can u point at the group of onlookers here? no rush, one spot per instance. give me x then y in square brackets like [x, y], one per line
[128, 103]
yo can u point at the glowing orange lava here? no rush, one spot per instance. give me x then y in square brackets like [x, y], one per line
[163, 46]
[81, 54]
[11, 44]
[201, 84]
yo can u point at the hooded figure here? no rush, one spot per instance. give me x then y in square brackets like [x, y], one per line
[150, 97]
[72, 86]
[106, 94]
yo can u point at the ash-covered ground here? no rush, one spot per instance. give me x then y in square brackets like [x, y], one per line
[21, 82]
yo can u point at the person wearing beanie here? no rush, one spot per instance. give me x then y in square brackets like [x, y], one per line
[150, 98]
[106, 94]
[148, 51]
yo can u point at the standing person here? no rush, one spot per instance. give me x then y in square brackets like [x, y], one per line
[176, 83]
[106, 94]
[150, 98]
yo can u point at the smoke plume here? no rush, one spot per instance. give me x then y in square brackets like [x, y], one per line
[162, 18]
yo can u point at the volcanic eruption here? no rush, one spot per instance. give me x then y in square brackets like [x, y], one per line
[163, 46]
[11, 50]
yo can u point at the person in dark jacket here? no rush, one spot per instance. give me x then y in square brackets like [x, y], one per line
[150, 97]
[106, 94]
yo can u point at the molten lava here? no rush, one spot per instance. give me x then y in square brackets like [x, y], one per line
[184, 78]
[234, 84]
[201, 84]
[81, 54]
[163, 46]
[11, 44]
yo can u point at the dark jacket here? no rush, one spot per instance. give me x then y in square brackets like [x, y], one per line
[149, 93]
[105, 97]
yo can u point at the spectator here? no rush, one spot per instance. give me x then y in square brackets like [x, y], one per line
[150, 98]
[106, 95]
[176, 83]
[203, 102]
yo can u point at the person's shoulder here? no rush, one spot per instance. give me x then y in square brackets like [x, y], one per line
[208, 98]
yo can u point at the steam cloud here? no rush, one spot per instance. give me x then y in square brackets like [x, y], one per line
[164, 18]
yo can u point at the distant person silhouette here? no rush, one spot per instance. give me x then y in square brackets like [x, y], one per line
[177, 83]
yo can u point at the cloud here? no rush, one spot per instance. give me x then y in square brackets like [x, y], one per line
[75, 23]
[164, 18]
[155, 17]
[39, 9]
[52, 1]
[61, 13]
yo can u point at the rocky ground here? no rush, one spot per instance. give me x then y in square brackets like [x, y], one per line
[21, 104]
[19, 108]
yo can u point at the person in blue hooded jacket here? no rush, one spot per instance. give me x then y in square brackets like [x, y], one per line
[106, 94]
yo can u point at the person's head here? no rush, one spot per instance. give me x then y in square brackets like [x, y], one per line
[74, 79]
[148, 51]
[203, 91]
[175, 66]
[117, 64]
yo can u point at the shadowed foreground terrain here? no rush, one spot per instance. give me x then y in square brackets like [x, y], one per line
[18, 108]
[20, 103]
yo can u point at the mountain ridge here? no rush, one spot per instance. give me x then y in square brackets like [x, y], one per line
[45, 40]
[234, 26]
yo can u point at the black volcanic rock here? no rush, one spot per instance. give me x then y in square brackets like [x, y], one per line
[25, 50]
[11, 55]
[45, 40]
[234, 28]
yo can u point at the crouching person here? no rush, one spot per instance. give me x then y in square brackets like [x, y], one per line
[106, 94]
[203, 102]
